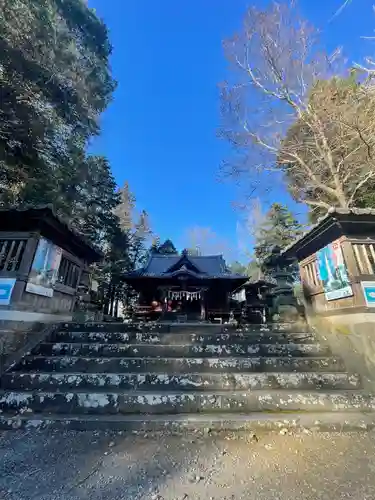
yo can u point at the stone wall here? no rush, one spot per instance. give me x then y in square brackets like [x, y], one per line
[16, 338]
[352, 337]
[60, 303]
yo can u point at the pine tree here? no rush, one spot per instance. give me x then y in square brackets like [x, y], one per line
[237, 268]
[95, 201]
[167, 248]
[279, 229]
[125, 209]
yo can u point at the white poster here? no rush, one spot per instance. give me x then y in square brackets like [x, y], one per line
[45, 268]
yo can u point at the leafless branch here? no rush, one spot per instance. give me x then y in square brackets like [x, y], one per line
[284, 109]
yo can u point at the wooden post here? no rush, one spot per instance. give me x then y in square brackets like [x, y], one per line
[28, 254]
[349, 258]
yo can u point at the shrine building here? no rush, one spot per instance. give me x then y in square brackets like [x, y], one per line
[195, 287]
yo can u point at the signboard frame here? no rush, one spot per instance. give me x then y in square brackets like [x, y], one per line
[45, 267]
[333, 272]
[6, 290]
[368, 288]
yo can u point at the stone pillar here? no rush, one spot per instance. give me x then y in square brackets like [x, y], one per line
[203, 305]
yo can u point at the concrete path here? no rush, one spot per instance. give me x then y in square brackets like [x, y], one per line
[50, 465]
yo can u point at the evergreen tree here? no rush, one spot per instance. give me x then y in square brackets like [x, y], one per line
[279, 229]
[125, 209]
[126, 250]
[55, 81]
[95, 203]
[237, 268]
[253, 269]
[167, 248]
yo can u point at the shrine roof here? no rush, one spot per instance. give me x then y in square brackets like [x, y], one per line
[44, 219]
[334, 224]
[169, 266]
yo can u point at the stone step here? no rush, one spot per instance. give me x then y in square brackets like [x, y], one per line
[179, 328]
[192, 381]
[180, 351]
[115, 327]
[182, 338]
[199, 424]
[179, 365]
[77, 402]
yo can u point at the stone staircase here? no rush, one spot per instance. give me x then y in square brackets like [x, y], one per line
[174, 377]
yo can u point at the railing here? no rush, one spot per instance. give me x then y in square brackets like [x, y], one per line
[68, 273]
[11, 253]
[365, 257]
[311, 274]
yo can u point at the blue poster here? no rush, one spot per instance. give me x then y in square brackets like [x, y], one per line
[6, 289]
[368, 288]
[333, 273]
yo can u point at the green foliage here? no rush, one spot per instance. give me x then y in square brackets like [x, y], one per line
[279, 229]
[167, 248]
[253, 269]
[55, 82]
[95, 199]
[127, 249]
[237, 268]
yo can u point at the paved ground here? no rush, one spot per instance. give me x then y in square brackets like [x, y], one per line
[85, 465]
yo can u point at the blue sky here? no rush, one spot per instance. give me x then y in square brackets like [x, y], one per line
[160, 131]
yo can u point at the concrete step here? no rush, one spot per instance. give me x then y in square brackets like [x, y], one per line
[79, 402]
[199, 424]
[182, 338]
[179, 365]
[165, 381]
[180, 351]
[179, 328]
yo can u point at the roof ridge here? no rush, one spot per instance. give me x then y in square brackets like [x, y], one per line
[165, 255]
[204, 256]
[329, 214]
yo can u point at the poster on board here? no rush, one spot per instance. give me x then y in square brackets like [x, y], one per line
[45, 268]
[6, 289]
[333, 273]
[368, 288]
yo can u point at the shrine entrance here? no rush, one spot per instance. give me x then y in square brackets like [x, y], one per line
[184, 287]
[188, 302]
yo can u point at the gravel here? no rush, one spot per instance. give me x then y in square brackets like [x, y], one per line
[48, 465]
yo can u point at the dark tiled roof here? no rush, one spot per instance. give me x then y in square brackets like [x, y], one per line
[159, 264]
[47, 212]
[330, 213]
[205, 266]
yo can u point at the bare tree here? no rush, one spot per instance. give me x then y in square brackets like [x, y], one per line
[252, 219]
[205, 241]
[284, 113]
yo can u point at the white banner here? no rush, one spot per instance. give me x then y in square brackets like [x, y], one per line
[182, 294]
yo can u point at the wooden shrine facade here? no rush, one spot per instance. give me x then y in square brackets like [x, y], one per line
[196, 287]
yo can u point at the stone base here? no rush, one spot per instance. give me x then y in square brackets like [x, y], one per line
[352, 337]
[19, 337]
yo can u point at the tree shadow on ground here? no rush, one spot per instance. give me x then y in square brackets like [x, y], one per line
[71, 465]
